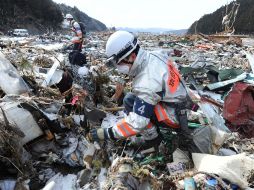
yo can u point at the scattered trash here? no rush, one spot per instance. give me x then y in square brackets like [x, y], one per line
[49, 103]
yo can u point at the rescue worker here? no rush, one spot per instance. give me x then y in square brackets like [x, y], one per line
[77, 40]
[158, 98]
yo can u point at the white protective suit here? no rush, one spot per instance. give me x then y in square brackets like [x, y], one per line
[78, 37]
[156, 82]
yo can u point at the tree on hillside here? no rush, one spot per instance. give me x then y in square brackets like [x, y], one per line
[22, 12]
[212, 23]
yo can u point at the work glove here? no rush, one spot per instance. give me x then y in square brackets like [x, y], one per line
[97, 135]
[153, 143]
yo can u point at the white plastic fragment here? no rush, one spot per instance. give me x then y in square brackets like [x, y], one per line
[60, 182]
[235, 168]
[250, 57]
[23, 119]
[83, 71]
[212, 116]
[10, 80]
[102, 178]
[249, 42]
[219, 132]
[50, 73]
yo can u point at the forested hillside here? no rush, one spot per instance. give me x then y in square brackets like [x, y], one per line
[212, 23]
[40, 16]
[35, 15]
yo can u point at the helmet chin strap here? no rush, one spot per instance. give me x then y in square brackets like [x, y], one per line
[129, 62]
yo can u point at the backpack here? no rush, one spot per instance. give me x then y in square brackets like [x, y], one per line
[82, 28]
[238, 110]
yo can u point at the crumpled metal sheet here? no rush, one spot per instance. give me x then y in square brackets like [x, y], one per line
[238, 109]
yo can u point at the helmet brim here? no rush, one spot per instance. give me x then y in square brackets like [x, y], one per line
[127, 51]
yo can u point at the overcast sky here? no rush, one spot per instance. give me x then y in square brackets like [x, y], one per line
[173, 14]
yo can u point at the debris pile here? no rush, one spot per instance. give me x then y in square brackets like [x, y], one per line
[48, 106]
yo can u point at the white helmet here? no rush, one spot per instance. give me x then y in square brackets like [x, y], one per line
[68, 16]
[119, 46]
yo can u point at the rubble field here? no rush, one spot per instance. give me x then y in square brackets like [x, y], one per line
[48, 106]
